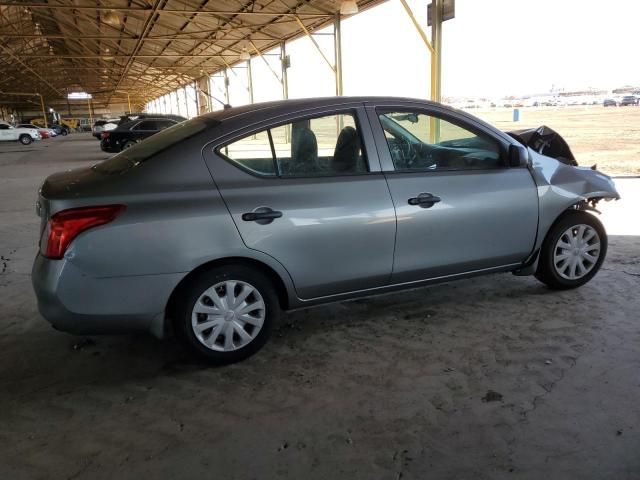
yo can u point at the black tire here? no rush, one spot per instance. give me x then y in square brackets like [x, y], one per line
[547, 272]
[64, 132]
[25, 139]
[197, 286]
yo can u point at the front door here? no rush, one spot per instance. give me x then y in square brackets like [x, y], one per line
[5, 132]
[460, 208]
[309, 192]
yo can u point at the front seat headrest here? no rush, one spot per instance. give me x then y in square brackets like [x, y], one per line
[345, 157]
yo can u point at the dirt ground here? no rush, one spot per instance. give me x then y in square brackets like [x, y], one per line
[489, 378]
[606, 136]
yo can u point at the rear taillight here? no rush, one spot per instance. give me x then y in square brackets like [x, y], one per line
[66, 225]
[105, 134]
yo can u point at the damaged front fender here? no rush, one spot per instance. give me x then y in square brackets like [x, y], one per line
[561, 186]
[561, 183]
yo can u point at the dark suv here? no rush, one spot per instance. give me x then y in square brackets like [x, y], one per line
[628, 100]
[128, 133]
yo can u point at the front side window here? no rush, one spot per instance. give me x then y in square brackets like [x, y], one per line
[321, 146]
[418, 141]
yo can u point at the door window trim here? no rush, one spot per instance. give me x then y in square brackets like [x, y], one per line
[356, 111]
[388, 167]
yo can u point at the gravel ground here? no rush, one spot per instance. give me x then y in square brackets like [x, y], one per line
[487, 378]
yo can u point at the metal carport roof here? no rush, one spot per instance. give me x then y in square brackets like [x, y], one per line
[141, 47]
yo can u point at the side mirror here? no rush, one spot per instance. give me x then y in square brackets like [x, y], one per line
[518, 156]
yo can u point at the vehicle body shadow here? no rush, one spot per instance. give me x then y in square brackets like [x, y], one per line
[59, 361]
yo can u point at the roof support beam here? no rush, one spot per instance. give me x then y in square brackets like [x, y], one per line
[173, 11]
[308, 34]
[265, 61]
[30, 69]
[107, 56]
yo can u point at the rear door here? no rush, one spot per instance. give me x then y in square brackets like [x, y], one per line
[308, 191]
[460, 208]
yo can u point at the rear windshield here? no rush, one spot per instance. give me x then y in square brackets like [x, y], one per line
[99, 123]
[143, 151]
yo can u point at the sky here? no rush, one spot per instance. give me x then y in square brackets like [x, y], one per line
[492, 48]
[496, 47]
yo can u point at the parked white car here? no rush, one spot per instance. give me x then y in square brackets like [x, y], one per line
[23, 135]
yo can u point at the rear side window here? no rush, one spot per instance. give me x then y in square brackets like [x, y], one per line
[322, 146]
[144, 151]
[253, 153]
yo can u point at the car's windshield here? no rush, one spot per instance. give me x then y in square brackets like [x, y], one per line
[153, 145]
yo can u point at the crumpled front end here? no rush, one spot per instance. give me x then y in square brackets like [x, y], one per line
[562, 186]
[561, 183]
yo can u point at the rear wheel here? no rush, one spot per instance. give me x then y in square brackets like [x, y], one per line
[25, 139]
[225, 315]
[573, 251]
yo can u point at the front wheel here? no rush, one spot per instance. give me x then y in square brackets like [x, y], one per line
[25, 139]
[573, 251]
[225, 315]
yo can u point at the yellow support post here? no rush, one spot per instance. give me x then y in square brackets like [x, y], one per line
[434, 60]
[434, 124]
[44, 113]
[436, 72]
[90, 115]
[24, 94]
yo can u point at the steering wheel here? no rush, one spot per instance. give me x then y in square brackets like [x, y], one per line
[403, 152]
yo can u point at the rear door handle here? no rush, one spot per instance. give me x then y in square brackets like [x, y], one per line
[424, 200]
[262, 215]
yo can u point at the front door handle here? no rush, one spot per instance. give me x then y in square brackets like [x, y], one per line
[262, 215]
[424, 200]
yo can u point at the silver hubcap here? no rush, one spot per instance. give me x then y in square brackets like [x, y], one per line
[228, 315]
[576, 252]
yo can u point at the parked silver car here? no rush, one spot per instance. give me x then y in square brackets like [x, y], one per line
[215, 225]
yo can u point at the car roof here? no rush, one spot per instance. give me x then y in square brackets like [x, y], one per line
[157, 116]
[306, 103]
[266, 110]
[127, 124]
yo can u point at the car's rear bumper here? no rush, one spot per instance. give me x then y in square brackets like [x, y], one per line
[76, 303]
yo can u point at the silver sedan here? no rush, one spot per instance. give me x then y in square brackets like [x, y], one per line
[212, 227]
